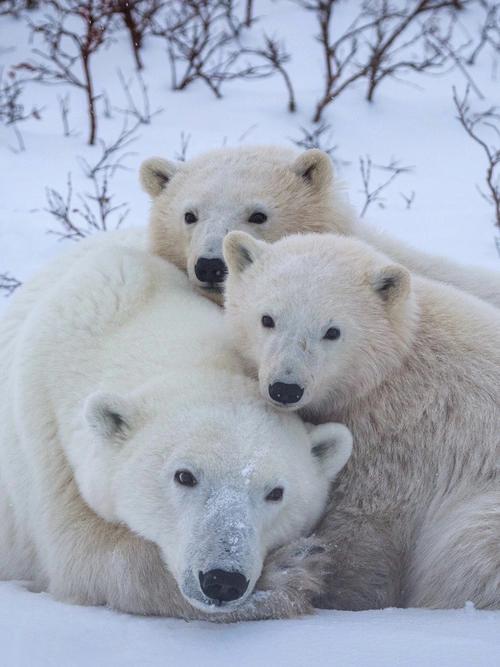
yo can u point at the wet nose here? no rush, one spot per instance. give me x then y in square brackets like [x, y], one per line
[281, 392]
[223, 586]
[210, 270]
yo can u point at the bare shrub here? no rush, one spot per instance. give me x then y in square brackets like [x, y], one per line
[489, 31]
[12, 110]
[384, 40]
[275, 57]
[8, 284]
[200, 44]
[141, 111]
[72, 31]
[64, 108]
[181, 154]
[137, 16]
[484, 129]
[96, 210]
[406, 39]
[16, 7]
[93, 211]
[318, 136]
[203, 43]
[373, 192]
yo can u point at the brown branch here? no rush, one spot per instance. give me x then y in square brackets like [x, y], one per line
[72, 32]
[474, 123]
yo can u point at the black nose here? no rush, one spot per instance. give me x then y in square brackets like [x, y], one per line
[285, 393]
[210, 270]
[223, 586]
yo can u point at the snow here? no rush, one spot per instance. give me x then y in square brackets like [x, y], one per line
[36, 630]
[413, 121]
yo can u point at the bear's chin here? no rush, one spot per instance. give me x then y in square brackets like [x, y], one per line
[208, 606]
[213, 292]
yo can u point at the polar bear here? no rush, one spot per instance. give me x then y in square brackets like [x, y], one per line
[269, 192]
[139, 467]
[338, 331]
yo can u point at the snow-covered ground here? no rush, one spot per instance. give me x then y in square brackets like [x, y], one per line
[35, 630]
[412, 121]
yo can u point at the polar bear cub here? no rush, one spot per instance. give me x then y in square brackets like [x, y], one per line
[268, 192]
[338, 331]
[139, 467]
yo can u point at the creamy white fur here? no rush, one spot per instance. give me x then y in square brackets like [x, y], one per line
[299, 193]
[114, 375]
[415, 374]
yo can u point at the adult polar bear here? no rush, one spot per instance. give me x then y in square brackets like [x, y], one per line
[138, 466]
[336, 330]
[269, 192]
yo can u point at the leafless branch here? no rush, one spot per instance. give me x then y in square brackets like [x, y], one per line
[15, 8]
[408, 199]
[112, 155]
[72, 32]
[137, 16]
[202, 39]
[142, 113]
[92, 211]
[373, 193]
[319, 136]
[489, 31]
[408, 36]
[12, 111]
[384, 39]
[181, 155]
[484, 129]
[64, 108]
[8, 284]
[274, 54]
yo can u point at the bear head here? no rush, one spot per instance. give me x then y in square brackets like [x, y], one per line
[216, 484]
[320, 319]
[266, 191]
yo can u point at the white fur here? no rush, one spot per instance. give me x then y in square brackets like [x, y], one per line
[415, 374]
[115, 375]
[298, 192]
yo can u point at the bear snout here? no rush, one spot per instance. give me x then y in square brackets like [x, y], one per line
[284, 393]
[210, 270]
[223, 586]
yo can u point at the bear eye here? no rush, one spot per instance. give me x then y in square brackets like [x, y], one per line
[276, 494]
[190, 218]
[185, 478]
[257, 217]
[267, 321]
[332, 334]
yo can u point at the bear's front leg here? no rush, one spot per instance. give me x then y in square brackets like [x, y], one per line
[365, 559]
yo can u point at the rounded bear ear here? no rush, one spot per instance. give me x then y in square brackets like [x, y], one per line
[391, 283]
[331, 444]
[110, 416]
[315, 168]
[155, 173]
[241, 250]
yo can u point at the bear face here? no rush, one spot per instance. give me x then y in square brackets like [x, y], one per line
[320, 319]
[216, 487]
[268, 192]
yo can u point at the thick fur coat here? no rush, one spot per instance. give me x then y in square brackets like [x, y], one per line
[118, 389]
[413, 368]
